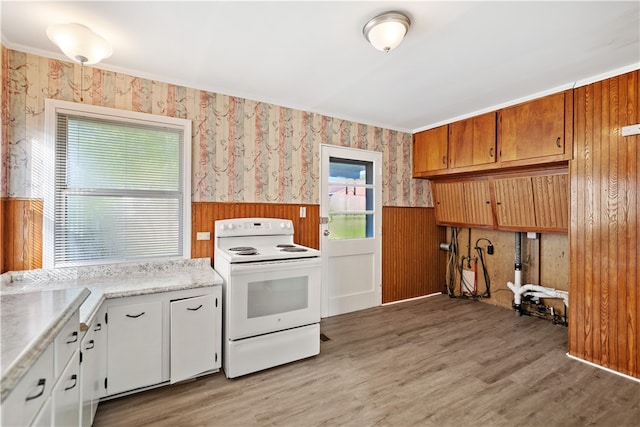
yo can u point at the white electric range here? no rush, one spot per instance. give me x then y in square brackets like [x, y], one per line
[271, 294]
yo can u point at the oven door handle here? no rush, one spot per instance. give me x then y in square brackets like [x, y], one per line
[291, 264]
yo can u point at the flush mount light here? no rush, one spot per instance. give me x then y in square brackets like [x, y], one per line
[79, 43]
[386, 31]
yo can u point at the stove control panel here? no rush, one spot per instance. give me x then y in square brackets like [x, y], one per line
[253, 227]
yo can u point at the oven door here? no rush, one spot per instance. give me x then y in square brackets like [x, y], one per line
[266, 297]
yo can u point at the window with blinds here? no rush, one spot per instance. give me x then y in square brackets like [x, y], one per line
[119, 187]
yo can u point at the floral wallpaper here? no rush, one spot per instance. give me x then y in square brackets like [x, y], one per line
[242, 150]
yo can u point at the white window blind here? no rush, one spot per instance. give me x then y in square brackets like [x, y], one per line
[119, 190]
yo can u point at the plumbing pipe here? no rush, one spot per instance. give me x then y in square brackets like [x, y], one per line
[537, 291]
[518, 260]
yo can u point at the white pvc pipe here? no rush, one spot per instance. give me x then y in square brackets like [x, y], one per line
[536, 290]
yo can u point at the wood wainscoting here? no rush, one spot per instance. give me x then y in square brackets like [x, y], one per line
[604, 299]
[21, 234]
[412, 264]
[204, 214]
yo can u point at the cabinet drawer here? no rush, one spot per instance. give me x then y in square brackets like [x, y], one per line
[66, 395]
[30, 393]
[67, 341]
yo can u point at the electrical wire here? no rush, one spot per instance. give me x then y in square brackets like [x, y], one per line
[485, 273]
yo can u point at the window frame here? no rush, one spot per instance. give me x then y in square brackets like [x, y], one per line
[52, 108]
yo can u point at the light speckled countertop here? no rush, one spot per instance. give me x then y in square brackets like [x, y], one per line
[104, 282]
[30, 322]
[116, 280]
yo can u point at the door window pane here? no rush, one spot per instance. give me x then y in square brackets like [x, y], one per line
[350, 199]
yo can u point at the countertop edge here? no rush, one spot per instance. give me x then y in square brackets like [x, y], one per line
[31, 353]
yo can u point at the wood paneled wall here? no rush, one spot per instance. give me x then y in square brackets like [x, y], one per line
[412, 263]
[604, 325]
[204, 214]
[21, 234]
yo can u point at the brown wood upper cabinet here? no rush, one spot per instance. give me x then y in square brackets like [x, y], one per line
[463, 203]
[473, 141]
[533, 201]
[537, 131]
[430, 151]
[518, 137]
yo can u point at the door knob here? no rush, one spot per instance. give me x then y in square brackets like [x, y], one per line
[326, 232]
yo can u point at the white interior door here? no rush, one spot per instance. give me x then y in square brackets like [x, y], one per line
[350, 229]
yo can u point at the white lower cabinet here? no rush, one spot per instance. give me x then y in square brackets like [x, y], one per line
[134, 351]
[66, 395]
[160, 338]
[43, 419]
[92, 369]
[30, 394]
[49, 392]
[193, 336]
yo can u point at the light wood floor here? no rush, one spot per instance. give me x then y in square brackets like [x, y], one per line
[429, 362]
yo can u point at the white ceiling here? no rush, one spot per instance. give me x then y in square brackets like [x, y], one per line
[458, 59]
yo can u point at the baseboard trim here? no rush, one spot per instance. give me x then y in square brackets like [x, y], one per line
[412, 299]
[595, 365]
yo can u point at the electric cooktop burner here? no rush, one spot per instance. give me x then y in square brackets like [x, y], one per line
[248, 252]
[243, 249]
[293, 249]
[285, 245]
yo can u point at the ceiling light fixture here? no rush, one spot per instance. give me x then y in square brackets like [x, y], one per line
[386, 31]
[79, 43]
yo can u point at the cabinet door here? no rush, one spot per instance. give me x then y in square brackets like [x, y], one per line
[533, 130]
[66, 395]
[430, 150]
[30, 394]
[91, 354]
[514, 203]
[472, 141]
[551, 201]
[87, 347]
[477, 203]
[66, 343]
[193, 336]
[134, 351]
[448, 202]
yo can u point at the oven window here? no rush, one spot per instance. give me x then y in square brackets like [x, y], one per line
[269, 297]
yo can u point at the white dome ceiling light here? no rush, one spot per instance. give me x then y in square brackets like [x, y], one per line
[386, 31]
[79, 43]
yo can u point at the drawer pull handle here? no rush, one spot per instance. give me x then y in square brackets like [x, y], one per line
[195, 309]
[41, 383]
[135, 316]
[98, 327]
[491, 152]
[444, 160]
[75, 337]
[558, 143]
[91, 345]
[74, 377]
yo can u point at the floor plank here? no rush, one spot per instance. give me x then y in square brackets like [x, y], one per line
[429, 362]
